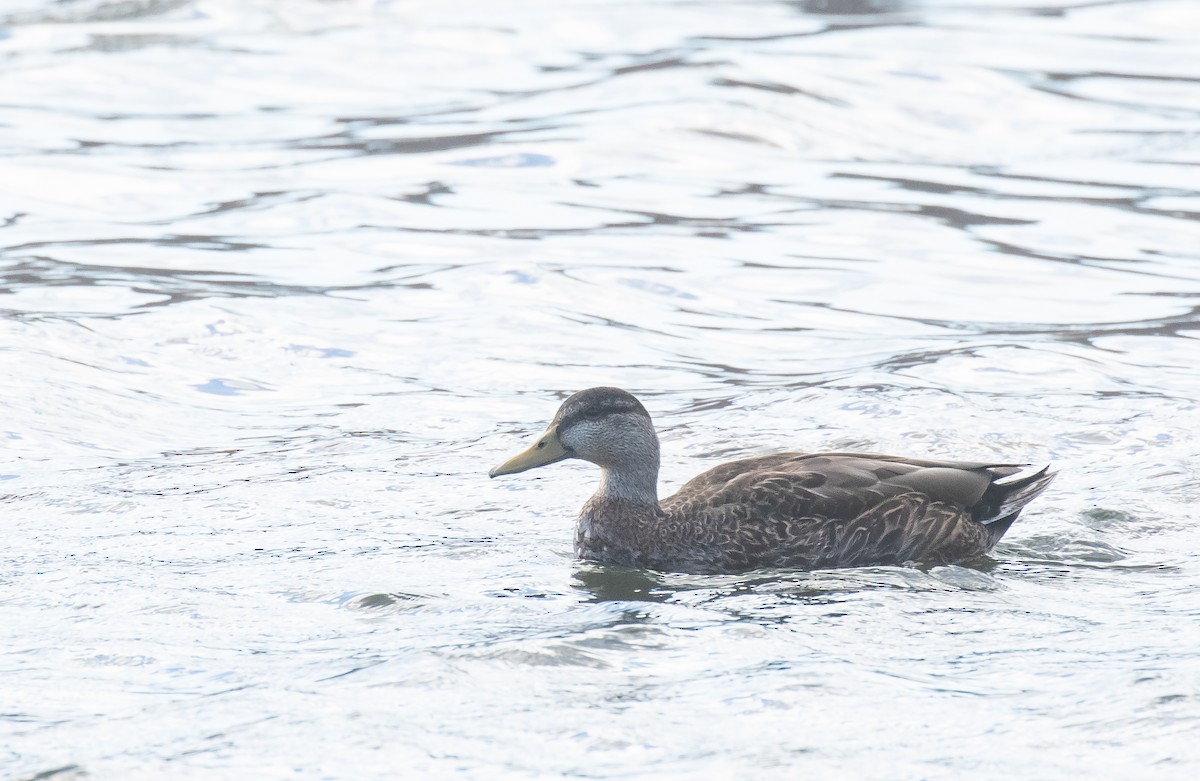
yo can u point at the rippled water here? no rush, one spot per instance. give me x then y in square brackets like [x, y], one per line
[279, 282]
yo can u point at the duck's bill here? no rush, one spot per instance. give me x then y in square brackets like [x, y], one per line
[546, 450]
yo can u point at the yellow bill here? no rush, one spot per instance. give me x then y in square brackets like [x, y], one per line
[546, 450]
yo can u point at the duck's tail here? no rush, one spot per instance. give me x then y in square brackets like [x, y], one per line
[1007, 496]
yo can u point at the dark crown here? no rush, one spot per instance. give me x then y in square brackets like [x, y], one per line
[595, 403]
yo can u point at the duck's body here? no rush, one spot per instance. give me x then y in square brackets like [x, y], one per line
[786, 510]
[812, 511]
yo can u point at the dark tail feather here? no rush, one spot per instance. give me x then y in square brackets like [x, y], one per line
[1005, 498]
[998, 527]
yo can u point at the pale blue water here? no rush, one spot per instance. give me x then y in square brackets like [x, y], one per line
[280, 282]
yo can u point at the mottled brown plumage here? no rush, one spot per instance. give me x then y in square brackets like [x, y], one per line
[810, 511]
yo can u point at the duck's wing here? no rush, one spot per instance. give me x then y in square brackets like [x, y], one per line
[835, 485]
[839, 509]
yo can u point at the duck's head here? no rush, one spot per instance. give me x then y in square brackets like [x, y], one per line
[605, 426]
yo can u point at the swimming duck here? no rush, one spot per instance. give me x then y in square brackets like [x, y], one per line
[803, 510]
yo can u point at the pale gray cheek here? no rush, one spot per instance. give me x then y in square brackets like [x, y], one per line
[581, 438]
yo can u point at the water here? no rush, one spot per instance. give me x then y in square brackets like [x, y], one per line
[280, 282]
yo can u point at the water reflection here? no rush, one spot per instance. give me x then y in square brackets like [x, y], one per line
[850, 7]
[604, 583]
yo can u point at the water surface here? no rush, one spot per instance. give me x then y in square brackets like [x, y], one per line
[280, 282]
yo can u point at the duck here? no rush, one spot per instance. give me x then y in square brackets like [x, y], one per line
[789, 510]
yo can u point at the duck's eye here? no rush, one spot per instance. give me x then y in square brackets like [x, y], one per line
[541, 444]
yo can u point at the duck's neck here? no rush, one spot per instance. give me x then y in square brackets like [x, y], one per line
[637, 483]
[615, 522]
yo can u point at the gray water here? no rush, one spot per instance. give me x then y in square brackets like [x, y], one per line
[281, 281]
